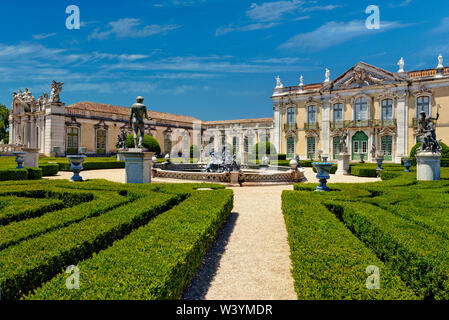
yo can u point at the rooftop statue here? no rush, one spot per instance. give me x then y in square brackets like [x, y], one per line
[56, 88]
[137, 122]
[426, 133]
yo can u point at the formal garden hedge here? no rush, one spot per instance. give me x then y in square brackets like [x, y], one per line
[156, 228]
[399, 225]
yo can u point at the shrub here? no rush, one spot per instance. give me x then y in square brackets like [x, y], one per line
[363, 171]
[151, 266]
[148, 142]
[264, 148]
[329, 262]
[13, 174]
[34, 173]
[32, 262]
[49, 169]
[282, 156]
[444, 150]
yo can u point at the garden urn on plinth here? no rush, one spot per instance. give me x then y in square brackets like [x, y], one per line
[323, 174]
[20, 158]
[407, 164]
[76, 165]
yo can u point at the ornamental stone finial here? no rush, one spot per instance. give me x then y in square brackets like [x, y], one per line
[401, 65]
[301, 81]
[279, 84]
[328, 75]
[440, 62]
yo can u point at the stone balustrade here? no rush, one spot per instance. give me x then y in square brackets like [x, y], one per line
[7, 149]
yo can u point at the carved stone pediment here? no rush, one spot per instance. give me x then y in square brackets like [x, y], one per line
[387, 131]
[360, 76]
[338, 132]
[312, 133]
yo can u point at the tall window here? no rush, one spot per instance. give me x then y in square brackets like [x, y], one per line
[290, 147]
[291, 116]
[361, 109]
[235, 145]
[167, 143]
[211, 144]
[72, 140]
[311, 147]
[387, 109]
[223, 141]
[338, 112]
[246, 144]
[101, 141]
[311, 114]
[423, 104]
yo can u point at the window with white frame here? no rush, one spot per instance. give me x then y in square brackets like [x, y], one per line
[291, 116]
[423, 104]
[361, 109]
[311, 114]
[338, 112]
[387, 109]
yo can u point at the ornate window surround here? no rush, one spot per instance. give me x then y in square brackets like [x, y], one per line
[424, 92]
[368, 103]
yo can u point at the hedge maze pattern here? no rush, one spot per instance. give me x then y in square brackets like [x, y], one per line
[399, 225]
[128, 241]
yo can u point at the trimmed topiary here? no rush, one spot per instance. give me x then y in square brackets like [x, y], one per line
[148, 142]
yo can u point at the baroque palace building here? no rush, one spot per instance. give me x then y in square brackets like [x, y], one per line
[52, 127]
[377, 109]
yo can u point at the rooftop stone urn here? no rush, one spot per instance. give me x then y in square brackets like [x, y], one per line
[20, 158]
[407, 164]
[323, 174]
[76, 163]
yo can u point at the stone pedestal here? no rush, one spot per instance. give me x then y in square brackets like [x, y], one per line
[120, 156]
[234, 178]
[245, 159]
[138, 165]
[343, 163]
[428, 166]
[31, 158]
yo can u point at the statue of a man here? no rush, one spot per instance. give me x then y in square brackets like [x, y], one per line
[136, 119]
[343, 144]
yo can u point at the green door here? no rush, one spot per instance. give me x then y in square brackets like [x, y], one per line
[311, 147]
[72, 140]
[336, 147]
[101, 141]
[387, 147]
[290, 147]
[359, 145]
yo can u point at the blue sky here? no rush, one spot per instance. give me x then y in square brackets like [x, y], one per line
[212, 59]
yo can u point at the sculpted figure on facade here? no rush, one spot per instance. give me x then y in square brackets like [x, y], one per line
[56, 88]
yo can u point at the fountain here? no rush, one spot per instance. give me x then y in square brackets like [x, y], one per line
[323, 174]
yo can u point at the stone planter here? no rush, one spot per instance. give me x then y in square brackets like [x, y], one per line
[76, 163]
[380, 161]
[20, 158]
[407, 164]
[323, 174]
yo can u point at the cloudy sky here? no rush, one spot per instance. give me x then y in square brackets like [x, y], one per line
[212, 59]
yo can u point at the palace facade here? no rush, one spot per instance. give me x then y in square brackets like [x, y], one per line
[377, 109]
[58, 130]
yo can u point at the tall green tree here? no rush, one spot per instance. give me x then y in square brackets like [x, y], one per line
[4, 124]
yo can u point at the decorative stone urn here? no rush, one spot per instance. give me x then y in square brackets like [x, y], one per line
[83, 150]
[76, 163]
[407, 164]
[324, 158]
[362, 158]
[380, 161]
[323, 174]
[20, 158]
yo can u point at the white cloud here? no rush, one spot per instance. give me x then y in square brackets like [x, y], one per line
[131, 28]
[251, 27]
[404, 3]
[334, 33]
[272, 11]
[42, 36]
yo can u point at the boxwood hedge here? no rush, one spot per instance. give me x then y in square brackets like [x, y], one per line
[155, 262]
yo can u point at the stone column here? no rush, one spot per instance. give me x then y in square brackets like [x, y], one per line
[325, 128]
[277, 130]
[402, 126]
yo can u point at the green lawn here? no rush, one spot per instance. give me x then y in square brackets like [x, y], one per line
[130, 241]
[399, 225]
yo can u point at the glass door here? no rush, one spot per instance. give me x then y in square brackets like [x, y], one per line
[336, 147]
[387, 147]
[359, 145]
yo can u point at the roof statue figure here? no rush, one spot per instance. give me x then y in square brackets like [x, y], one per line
[426, 133]
[137, 122]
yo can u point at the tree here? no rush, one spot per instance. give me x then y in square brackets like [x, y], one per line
[4, 124]
[148, 142]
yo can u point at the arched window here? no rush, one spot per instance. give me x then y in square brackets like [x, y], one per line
[338, 112]
[291, 116]
[423, 104]
[361, 109]
[387, 109]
